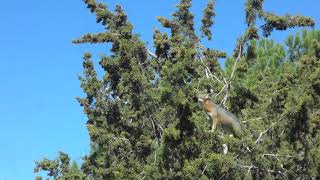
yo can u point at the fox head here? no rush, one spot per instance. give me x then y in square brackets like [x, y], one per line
[203, 98]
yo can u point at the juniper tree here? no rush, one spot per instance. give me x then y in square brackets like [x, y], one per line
[145, 123]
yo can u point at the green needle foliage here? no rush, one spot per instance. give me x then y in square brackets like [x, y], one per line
[144, 120]
[207, 20]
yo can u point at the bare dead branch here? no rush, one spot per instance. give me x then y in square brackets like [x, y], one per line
[204, 169]
[261, 134]
[228, 87]
[235, 64]
[148, 51]
[151, 54]
[208, 72]
[276, 155]
[223, 88]
[261, 169]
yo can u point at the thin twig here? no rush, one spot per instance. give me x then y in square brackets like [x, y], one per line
[276, 155]
[204, 169]
[148, 51]
[261, 134]
[255, 167]
[199, 83]
[208, 72]
[224, 86]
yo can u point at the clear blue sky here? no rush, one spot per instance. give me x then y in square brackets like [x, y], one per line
[39, 68]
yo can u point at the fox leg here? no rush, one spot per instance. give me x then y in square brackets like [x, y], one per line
[214, 123]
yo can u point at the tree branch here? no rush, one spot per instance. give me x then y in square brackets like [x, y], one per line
[228, 87]
[208, 72]
[261, 134]
[151, 54]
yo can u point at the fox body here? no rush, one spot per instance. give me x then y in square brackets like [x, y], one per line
[220, 116]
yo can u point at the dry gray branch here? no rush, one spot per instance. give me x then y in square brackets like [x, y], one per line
[261, 134]
[151, 54]
[228, 87]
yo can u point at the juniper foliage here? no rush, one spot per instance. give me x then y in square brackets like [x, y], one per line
[145, 123]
